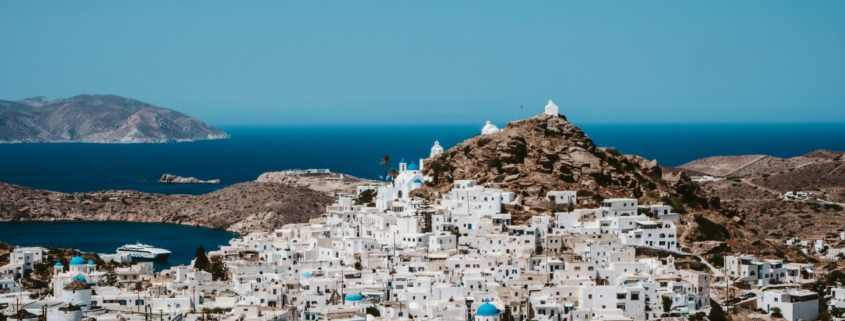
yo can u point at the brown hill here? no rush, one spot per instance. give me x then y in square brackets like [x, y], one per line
[756, 189]
[547, 153]
[241, 207]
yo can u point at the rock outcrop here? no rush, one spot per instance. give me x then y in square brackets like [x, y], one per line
[98, 119]
[173, 179]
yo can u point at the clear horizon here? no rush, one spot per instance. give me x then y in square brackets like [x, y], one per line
[271, 63]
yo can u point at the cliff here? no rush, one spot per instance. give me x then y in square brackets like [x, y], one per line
[98, 119]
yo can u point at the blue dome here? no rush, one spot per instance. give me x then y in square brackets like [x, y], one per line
[307, 274]
[77, 261]
[79, 278]
[487, 310]
[91, 262]
[58, 263]
[417, 181]
[354, 297]
[413, 167]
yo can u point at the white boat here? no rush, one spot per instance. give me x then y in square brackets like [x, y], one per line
[144, 252]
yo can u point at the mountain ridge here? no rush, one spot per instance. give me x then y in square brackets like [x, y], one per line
[98, 119]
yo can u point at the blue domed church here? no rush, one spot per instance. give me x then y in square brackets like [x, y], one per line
[399, 189]
[79, 270]
[487, 312]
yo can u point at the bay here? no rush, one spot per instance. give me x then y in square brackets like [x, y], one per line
[105, 237]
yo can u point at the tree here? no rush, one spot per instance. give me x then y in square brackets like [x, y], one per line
[366, 197]
[716, 313]
[667, 304]
[201, 263]
[139, 287]
[358, 266]
[385, 161]
[393, 174]
[218, 269]
[111, 276]
[507, 315]
[775, 313]
[373, 311]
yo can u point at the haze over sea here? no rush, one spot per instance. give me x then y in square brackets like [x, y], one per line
[356, 150]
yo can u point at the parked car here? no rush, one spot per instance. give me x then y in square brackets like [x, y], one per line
[679, 312]
[747, 295]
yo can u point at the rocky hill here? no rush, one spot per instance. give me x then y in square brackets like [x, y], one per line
[98, 119]
[756, 185]
[332, 184]
[252, 206]
[547, 153]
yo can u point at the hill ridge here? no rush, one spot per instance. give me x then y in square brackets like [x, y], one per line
[98, 119]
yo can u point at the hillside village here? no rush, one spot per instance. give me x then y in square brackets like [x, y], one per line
[441, 242]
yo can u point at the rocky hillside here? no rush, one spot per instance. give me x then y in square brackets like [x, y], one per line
[547, 153]
[334, 183]
[756, 184]
[98, 119]
[244, 207]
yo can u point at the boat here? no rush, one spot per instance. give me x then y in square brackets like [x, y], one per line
[144, 252]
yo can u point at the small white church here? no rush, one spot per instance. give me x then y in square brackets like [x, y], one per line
[490, 128]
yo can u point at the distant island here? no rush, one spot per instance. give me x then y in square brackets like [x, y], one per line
[98, 119]
[174, 179]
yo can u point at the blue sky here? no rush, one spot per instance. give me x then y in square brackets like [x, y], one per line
[308, 62]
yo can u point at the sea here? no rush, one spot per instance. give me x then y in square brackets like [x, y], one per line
[105, 237]
[354, 150]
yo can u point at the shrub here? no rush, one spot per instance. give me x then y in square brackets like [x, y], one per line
[835, 207]
[710, 230]
[717, 260]
[776, 313]
[373, 311]
[584, 193]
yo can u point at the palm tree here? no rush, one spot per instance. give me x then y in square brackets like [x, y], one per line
[385, 161]
[393, 174]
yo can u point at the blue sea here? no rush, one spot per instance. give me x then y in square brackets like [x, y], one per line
[357, 150]
[106, 237]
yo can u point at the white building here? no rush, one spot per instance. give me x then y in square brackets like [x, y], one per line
[489, 128]
[793, 304]
[551, 109]
[436, 149]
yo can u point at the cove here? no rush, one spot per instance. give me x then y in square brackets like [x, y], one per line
[106, 237]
